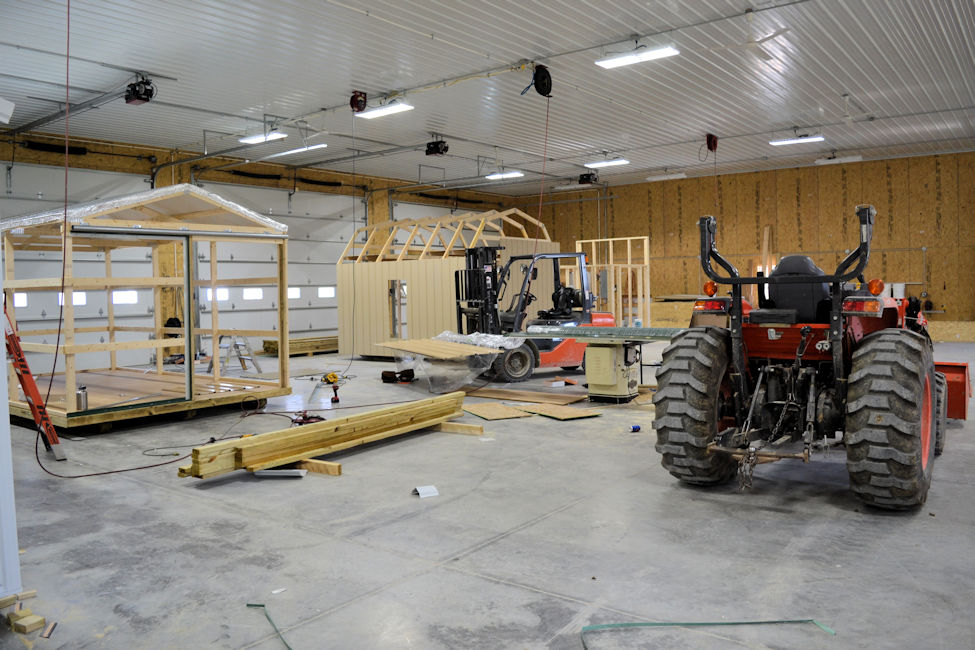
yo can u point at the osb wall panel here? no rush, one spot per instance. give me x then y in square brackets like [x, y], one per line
[926, 202]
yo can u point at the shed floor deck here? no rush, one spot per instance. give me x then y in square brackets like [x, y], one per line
[126, 393]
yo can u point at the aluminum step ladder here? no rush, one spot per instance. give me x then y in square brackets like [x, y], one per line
[235, 346]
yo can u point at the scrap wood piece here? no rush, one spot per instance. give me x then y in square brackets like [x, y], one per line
[459, 427]
[644, 399]
[559, 412]
[562, 398]
[287, 446]
[438, 349]
[18, 614]
[49, 630]
[320, 466]
[492, 411]
[28, 624]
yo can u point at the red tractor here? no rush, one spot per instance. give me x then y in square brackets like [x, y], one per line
[818, 357]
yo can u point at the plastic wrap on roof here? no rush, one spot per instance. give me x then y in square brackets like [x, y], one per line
[83, 211]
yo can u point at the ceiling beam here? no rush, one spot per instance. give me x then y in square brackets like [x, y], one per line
[94, 102]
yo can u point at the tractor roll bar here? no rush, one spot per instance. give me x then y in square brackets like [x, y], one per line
[709, 251]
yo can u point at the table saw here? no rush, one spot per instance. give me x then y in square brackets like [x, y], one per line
[612, 355]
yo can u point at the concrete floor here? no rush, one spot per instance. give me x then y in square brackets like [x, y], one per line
[541, 527]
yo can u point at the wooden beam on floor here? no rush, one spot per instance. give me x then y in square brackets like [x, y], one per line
[292, 445]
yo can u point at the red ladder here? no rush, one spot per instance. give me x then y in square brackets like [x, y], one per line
[33, 396]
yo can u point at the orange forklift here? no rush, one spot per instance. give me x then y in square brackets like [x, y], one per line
[482, 287]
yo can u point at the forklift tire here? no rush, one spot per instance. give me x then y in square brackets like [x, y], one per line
[515, 365]
[891, 419]
[942, 422]
[691, 380]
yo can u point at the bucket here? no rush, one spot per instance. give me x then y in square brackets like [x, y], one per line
[897, 289]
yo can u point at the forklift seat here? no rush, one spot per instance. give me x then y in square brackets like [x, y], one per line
[564, 301]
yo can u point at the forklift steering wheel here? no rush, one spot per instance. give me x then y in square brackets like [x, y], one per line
[530, 298]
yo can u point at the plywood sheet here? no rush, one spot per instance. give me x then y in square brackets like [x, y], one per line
[560, 412]
[958, 331]
[962, 301]
[525, 395]
[689, 201]
[749, 210]
[878, 192]
[492, 411]
[923, 178]
[833, 214]
[438, 349]
[801, 196]
[966, 200]
[786, 230]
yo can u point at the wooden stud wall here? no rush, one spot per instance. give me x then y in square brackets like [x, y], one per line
[924, 202]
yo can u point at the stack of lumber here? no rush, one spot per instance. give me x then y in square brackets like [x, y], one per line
[309, 346]
[292, 445]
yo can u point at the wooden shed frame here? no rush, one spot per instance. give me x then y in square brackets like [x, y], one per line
[440, 237]
[385, 258]
[184, 217]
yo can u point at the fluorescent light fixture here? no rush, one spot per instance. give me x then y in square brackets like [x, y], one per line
[497, 176]
[575, 186]
[258, 138]
[800, 139]
[667, 177]
[298, 150]
[837, 161]
[637, 56]
[607, 163]
[386, 109]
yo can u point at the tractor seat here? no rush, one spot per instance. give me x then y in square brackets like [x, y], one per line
[795, 303]
[804, 298]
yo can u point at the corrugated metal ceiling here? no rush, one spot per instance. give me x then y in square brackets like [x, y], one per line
[878, 78]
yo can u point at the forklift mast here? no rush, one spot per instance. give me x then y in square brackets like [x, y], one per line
[476, 291]
[480, 286]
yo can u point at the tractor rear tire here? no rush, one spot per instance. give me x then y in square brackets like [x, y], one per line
[942, 422]
[514, 365]
[689, 389]
[891, 419]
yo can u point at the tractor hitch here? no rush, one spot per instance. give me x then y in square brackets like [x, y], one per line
[761, 456]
